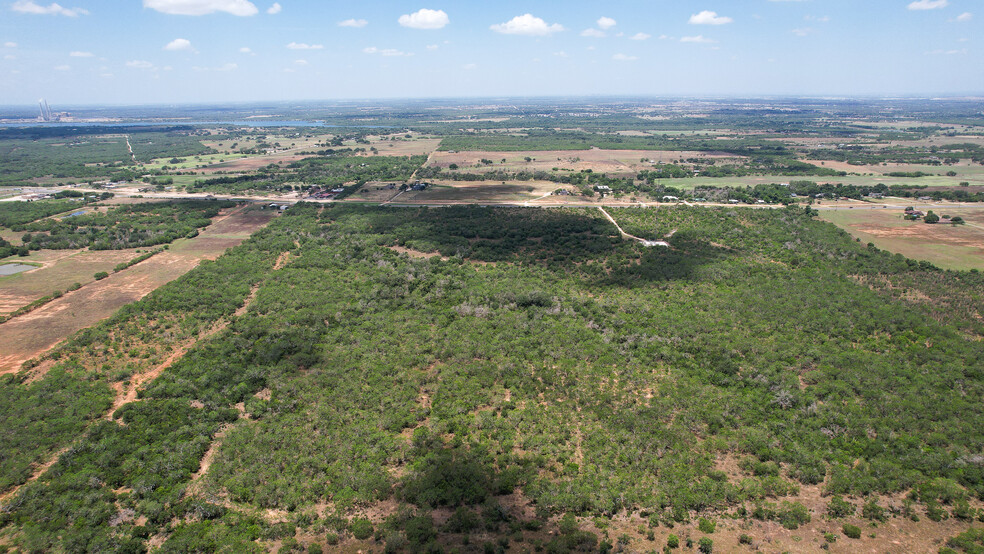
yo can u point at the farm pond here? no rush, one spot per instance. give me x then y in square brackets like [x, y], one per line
[13, 269]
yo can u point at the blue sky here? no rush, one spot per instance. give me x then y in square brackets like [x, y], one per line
[180, 51]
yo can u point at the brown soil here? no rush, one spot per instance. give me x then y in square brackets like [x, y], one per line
[28, 336]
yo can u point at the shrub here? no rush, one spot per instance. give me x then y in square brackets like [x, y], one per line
[101, 275]
[838, 508]
[744, 539]
[568, 524]
[935, 512]
[873, 511]
[793, 514]
[971, 540]
[420, 530]
[705, 545]
[851, 531]
[963, 511]
[361, 528]
[462, 520]
[673, 541]
[581, 541]
[706, 526]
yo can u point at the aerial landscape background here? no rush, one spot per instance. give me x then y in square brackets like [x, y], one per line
[646, 276]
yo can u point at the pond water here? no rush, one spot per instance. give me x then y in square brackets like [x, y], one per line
[12, 269]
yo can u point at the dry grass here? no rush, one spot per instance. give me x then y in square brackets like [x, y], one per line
[60, 269]
[616, 162]
[946, 246]
[30, 335]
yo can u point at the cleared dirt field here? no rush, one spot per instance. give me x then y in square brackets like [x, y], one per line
[618, 162]
[25, 337]
[406, 147]
[253, 163]
[947, 246]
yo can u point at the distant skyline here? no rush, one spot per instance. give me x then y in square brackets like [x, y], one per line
[213, 51]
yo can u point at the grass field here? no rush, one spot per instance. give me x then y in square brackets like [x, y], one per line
[947, 246]
[613, 162]
[27, 336]
[59, 270]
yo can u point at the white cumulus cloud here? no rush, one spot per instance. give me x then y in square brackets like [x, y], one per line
[78, 54]
[528, 25]
[425, 19]
[304, 46]
[624, 57]
[391, 52]
[929, 4]
[356, 23]
[964, 17]
[275, 8]
[640, 36]
[28, 6]
[708, 17]
[10, 44]
[594, 33]
[698, 39]
[178, 44]
[140, 64]
[202, 7]
[605, 23]
[245, 50]
[62, 67]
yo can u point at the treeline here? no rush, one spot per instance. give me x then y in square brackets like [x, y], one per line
[86, 153]
[859, 154]
[18, 213]
[125, 226]
[331, 171]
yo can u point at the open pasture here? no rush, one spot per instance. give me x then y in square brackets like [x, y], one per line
[60, 270]
[402, 147]
[948, 246]
[613, 162]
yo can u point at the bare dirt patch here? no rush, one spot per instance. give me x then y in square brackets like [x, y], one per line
[416, 253]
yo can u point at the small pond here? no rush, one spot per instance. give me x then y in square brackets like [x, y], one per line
[11, 269]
